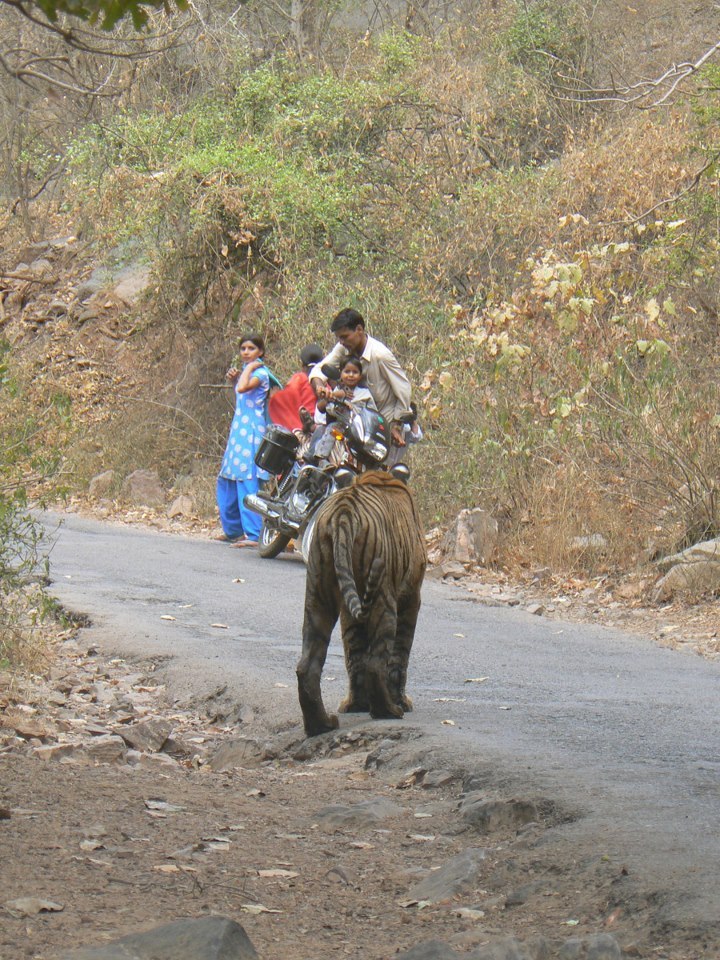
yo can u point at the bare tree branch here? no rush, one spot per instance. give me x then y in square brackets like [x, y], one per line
[645, 94]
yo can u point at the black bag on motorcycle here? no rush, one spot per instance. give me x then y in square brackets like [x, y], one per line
[277, 450]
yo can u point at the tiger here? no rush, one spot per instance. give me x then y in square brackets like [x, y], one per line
[366, 565]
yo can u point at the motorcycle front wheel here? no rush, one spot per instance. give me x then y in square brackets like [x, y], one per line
[271, 542]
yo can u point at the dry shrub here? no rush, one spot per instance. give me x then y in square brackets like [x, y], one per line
[572, 526]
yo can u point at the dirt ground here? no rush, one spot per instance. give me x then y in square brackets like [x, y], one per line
[121, 808]
[114, 840]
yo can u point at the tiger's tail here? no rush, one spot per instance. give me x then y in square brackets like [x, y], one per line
[359, 609]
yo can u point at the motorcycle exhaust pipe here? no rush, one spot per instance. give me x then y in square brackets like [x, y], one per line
[255, 503]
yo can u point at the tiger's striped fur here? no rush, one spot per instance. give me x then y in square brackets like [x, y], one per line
[366, 565]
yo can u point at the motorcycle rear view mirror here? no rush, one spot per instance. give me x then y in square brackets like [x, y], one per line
[330, 371]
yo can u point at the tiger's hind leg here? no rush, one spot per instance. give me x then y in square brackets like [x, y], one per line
[354, 637]
[321, 613]
[381, 633]
[408, 611]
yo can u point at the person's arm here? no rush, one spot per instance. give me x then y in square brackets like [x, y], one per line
[246, 381]
[400, 386]
[317, 377]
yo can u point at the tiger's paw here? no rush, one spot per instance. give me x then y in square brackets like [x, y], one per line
[353, 705]
[406, 703]
[319, 727]
[390, 711]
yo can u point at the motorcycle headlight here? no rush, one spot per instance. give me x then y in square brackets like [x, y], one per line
[378, 451]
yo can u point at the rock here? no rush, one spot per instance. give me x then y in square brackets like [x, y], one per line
[452, 878]
[155, 761]
[96, 282]
[488, 815]
[472, 538]
[536, 609]
[109, 749]
[432, 950]
[209, 938]
[243, 753]
[366, 814]
[149, 735]
[131, 283]
[101, 484]
[56, 751]
[57, 308]
[450, 568]
[508, 948]
[601, 946]
[40, 267]
[705, 550]
[143, 487]
[437, 778]
[698, 576]
[182, 506]
[31, 906]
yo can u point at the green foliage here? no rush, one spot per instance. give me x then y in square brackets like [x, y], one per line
[400, 51]
[27, 456]
[106, 13]
[545, 33]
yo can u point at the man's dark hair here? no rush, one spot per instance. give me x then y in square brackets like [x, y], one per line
[347, 318]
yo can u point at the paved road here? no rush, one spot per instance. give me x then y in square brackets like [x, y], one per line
[601, 722]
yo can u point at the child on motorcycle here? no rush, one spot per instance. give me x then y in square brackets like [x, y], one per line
[351, 390]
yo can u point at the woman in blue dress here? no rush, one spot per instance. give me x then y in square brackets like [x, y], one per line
[239, 474]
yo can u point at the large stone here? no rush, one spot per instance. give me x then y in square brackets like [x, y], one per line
[109, 749]
[431, 950]
[132, 282]
[508, 948]
[601, 946]
[705, 550]
[97, 281]
[148, 735]
[449, 568]
[206, 938]
[359, 815]
[181, 506]
[143, 487]
[242, 753]
[697, 576]
[472, 538]
[488, 815]
[101, 484]
[455, 876]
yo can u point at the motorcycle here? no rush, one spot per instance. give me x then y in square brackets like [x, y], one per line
[289, 503]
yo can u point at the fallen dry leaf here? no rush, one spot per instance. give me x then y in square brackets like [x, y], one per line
[476, 679]
[279, 874]
[166, 616]
[220, 626]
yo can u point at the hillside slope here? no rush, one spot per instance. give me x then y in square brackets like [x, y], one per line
[544, 265]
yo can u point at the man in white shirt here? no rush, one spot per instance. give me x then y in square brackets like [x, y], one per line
[385, 378]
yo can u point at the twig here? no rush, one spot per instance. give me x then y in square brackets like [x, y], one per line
[663, 203]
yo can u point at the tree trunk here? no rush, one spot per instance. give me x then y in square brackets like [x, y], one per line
[303, 14]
